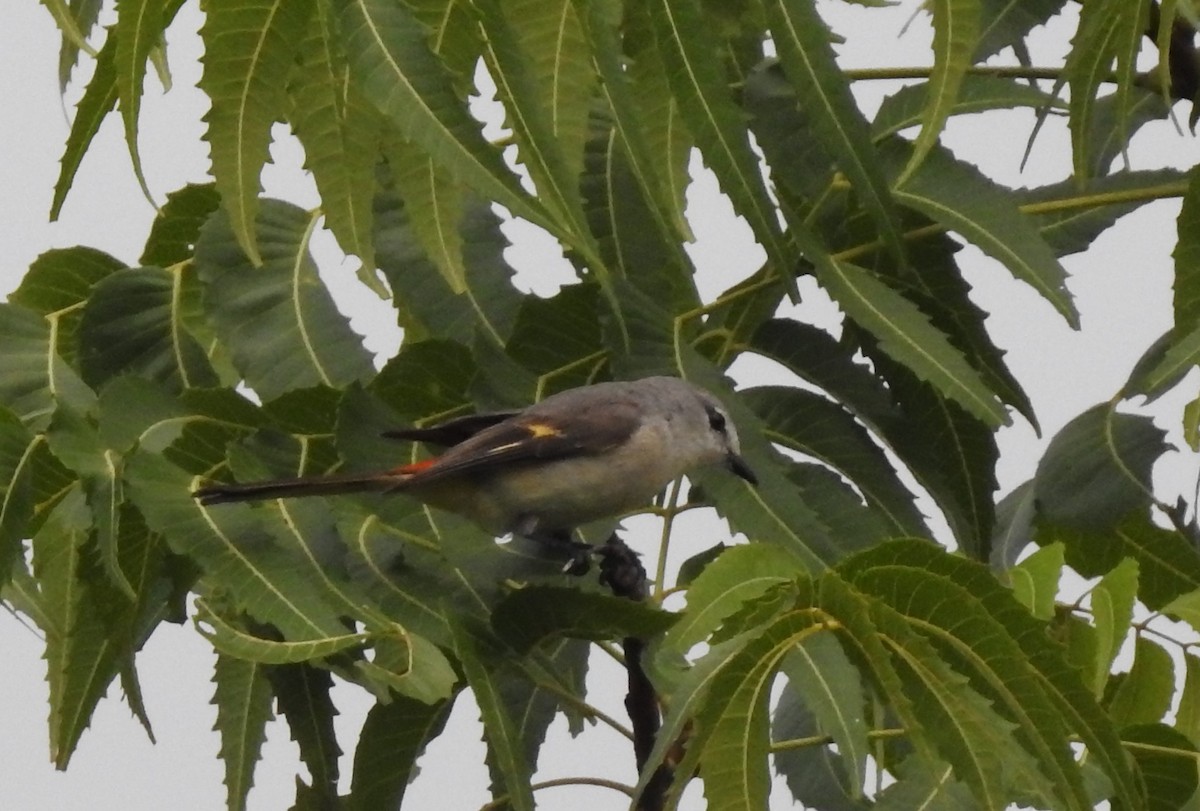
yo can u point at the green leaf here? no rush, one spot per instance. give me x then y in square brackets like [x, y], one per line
[385, 757]
[1178, 358]
[1014, 528]
[229, 640]
[97, 101]
[429, 307]
[978, 645]
[1071, 217]
[340, 132]
[18, 450]
[1005, 23]
[504, 745]
[80, 658]
[907, 336]
[955, 35]
[952, 453]
[392, 62]
[1143, 695]
[1106, 30]
[278, 321]
[1076, 706]
[1167, 762]
[731, 727]
[959, 197]
[652, 135]
[814, 426]
[1187, 717]
[248, 50]
[535, 55]
[139, 28]
[57, 283]
[739, 576]
[1112, 612]
[1096, 470]
[1187, 257]
[176, 229]
[1167, 560]
[686, 46]
[232, 540]
[926, 784]
[1035, 580]
[560, 338]
[802, 41]
[34, 378]
[135, 322]
[978, 93]
[243, 700]
[821, 672]
[530, 615]
[816, 775]
[302, 693]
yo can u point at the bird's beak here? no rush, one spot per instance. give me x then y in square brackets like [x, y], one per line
[738, 465]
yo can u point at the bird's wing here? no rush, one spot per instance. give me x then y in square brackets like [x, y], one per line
[452, 432]
[533, 435]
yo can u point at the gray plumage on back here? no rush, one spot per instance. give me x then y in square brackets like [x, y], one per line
[578, 456]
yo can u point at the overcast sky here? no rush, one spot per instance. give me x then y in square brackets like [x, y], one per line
[1122, 287]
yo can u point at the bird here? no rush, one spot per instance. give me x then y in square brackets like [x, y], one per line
[584, 454]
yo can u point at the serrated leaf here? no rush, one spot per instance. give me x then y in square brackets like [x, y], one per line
[733, 726]
[1076, 706]
[1167, 762]
[399, 74]
[961, 198]
[230, 640]
[140, 26]
[816, 427]
[534, 613]
[802, 42]
[816, 775]
[978, 93]
[34, 378]
[1106, 29]
[232, 541]
[248, 50]
[340, 132]
[1070, 218]
[1166, 559]
[302, 693]
[1005, 23]
[504, 746]
[1112, 612]
[955, 34]
[80, 659]
[906, 335]
[1035, 580]
[1187, 257]
[687, 47]
[645, 117]
[176, 228]
[278, 321]
[1187, 716]
[1096, 470]
[740, 575]
[429, 307]
[820, 671]
[928, 785]
[243, 700]
[1144, 694]
[135, 322]
[385, 756]
[97, 101]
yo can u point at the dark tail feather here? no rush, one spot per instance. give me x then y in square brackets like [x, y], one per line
[294, 488]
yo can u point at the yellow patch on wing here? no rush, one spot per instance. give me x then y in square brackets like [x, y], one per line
[541, 429]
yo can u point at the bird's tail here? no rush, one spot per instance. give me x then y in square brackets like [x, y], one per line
[307, 486]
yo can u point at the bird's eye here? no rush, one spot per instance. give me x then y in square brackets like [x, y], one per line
[716, 420]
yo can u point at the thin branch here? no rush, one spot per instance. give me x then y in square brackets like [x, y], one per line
[502, 801]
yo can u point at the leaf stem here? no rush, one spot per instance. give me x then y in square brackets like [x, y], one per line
[502, 800]
[822, 740]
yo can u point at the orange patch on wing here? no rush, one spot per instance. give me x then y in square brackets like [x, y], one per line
[414, 468]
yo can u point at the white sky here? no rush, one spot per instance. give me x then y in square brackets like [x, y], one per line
[1122, 287]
